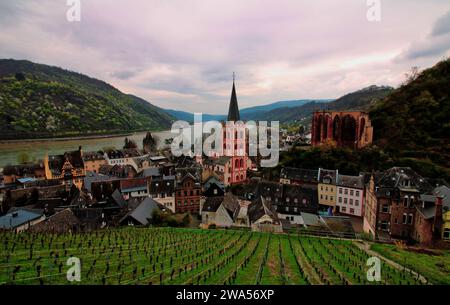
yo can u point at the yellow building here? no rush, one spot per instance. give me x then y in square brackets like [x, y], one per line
[326, 188]
[68, 168]
[444, 192]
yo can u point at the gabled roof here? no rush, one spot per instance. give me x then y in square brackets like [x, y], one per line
[213, 180]
[231, 204]
[258, 209]
[395, 177]
[118, 199]
[56, 162]
[443, 191]
[143, 212]
[233, 110]
[151, 172]
[212, 204]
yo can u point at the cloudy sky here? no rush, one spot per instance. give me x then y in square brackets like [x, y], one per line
[181, 54]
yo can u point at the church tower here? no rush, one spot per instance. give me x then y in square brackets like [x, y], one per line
[235, 143]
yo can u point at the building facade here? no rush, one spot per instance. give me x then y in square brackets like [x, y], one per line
[342, 128]
[350, 195]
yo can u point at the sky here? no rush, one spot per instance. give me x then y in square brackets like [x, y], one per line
[181, 54]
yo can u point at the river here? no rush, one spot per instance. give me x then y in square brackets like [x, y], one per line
[36, 149]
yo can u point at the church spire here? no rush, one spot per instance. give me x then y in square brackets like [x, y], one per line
[233, 110]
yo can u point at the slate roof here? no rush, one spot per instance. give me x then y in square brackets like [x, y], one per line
[93, 155]
[258, 208]
[305, 175]
[17, 218]
[123, 153]
[443, 191]
[396, 176]
[351, 181]
[143, 212]
[327, 173]
[231, 204]
[117, 197]
[213, 180]
[212, 204]
[428, 212]
[166, 185]
[233, 110]
[93, 177]
[151, 172]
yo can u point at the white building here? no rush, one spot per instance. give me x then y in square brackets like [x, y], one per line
[350, 195]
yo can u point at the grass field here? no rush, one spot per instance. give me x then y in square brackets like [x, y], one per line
[190, 256]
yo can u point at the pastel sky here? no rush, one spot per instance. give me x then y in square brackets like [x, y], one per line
[181, 54]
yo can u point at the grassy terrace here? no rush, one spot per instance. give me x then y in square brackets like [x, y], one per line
[189, 256]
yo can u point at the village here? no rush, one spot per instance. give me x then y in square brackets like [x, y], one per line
[81, 191]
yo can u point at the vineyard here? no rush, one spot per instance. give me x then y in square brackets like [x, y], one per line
[166, 256]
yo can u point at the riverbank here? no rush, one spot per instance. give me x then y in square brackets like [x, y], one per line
[87, 137]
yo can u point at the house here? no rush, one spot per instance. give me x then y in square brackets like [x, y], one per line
[134, 187]
[213, 187]
[221, 211]
[63, 221]
[92, 177]
[68, 168]
[288, 201]
[188, 190]
[220, 167]
[428, 219]
[298, 176]
[20, 219]
[162, 190]
[350, 195]
[444, 192]
[122, 157]
[142, 214]
[397, 192]
[326, 188]
[262, 218]
[30, 170]
[93, 161]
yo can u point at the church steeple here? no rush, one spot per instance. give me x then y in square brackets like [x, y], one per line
[233, 110]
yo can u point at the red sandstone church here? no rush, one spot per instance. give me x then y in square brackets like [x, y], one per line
[232, 167]
[342, 128]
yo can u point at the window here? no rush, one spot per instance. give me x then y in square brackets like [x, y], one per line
[357, 193]
[356, 202]
[345, 200]
[215, 191]
[351, 192]
[344, 209]
[352, 211]
[288, 199]
[321, 187]
[295, 210]
[346, 191]
[340, 190]
[384, 225]
[351, 201]
[446, 234]
[326, 197]
[321, 196]
[404, 218]
[331, 197]
[326, 188]
[295, 200]
[340, 199]
[410, 218]
[385, 208]
[405, 201]
[286, 209]
[396, 220]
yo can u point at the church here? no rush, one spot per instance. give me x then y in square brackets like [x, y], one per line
[232, 166]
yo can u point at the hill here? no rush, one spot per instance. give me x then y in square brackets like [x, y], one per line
[358, 100]
[43, 101]
[414, 121]
[250, 113]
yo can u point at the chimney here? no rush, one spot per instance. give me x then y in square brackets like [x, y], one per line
[437, 223]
